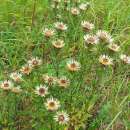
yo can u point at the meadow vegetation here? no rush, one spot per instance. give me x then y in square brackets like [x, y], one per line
[64, 65]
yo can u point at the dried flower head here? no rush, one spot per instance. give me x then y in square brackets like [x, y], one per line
[48, 32]
[58, 44]
[104, 36]
[105, 60]
[114, 47]
[61, 117]
[84, 6]
[125, 59]
[16, 89]
[50, 80]
[41, 90]
[90, 39]
[17, 77]
[75, 11]
[63, 82]
[6, 85]
[87, 26]
[73, 65]
[35, 61]
[52, 104]
[57, 1]
[66, 1]
[60, 26]
[26, 69]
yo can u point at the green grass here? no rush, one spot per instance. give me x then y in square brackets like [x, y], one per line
[98, 97]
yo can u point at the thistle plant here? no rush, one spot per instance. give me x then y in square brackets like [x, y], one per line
[65, 65]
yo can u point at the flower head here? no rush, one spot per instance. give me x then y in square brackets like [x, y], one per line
[52, 104]
[35, 61]
[50, 80]
[73, 65]
[63, 82]
[48, 32]
[17, 77]
[125, 59]
[6, 85]
[57, 1]
[114, 47]
[16, 89]
[41, 90]
[104, 36]
[55, 6]
[61, 117]
[60, 26]
[58, 43]
[84, 6]
[26, 69]
[87, 26]
[105, 60]
[91, 39]
[66, 1]
[75, 11]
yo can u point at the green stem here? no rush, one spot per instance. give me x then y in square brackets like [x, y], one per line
[33, 14]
